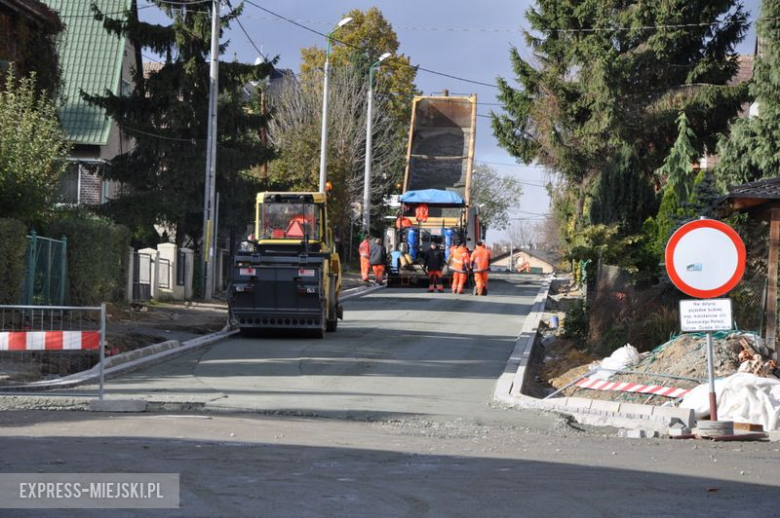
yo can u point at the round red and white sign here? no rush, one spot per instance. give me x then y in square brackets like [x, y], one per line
[705, 258]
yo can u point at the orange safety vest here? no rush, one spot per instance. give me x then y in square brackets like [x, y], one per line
[403, 222]
[460, 259]
[481, 259]
[365, 249]
[421, 212]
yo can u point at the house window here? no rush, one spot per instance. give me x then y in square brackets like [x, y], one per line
[110, 190]
[69, 185]
[127, 88]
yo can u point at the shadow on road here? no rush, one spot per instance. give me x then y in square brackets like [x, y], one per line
[234, 477]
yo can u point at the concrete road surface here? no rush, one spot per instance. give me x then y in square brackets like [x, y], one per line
[399, 352]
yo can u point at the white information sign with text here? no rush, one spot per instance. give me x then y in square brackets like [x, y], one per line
[705, 315]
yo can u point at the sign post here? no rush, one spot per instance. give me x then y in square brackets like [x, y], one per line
[706, 259]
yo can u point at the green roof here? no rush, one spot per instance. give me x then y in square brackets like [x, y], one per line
[91, 60]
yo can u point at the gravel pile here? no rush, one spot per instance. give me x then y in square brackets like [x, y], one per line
[684, 356]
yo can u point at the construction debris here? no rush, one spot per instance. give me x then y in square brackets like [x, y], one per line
[680, 363]
[754, 363]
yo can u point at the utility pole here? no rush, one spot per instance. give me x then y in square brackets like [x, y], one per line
[209, 204]
[324, 134]
[369, 136]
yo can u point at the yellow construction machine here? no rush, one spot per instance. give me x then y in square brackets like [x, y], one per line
[287, 274]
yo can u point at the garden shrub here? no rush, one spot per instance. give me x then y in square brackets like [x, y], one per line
[97, 258]
[13, 245]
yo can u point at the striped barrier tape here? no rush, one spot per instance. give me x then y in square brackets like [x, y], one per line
[632, 387]
[49, 340]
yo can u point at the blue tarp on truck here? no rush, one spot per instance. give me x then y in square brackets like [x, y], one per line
[432, 197]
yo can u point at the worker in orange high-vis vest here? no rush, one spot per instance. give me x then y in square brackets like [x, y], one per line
[459, 266]
[365, 264]
[480, 263]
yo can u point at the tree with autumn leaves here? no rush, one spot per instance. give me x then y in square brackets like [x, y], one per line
[297, 111]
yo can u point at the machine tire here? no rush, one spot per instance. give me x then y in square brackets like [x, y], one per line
[333, 313]
[320, 332]
[333, 325]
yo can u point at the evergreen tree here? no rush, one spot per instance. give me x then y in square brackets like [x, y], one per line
[752, 150]
[706, 196]
[167, 115]
[677, 169]
[614, 75]
[619, 181]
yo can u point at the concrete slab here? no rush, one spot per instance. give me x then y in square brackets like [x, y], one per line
[670, 414]
[635, 409]
[605, 406]
[579, 402]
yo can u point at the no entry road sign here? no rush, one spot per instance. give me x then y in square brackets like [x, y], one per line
[705, 258]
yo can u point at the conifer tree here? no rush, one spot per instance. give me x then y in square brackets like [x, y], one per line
[166, 114]
[752, 150]
[614, 75]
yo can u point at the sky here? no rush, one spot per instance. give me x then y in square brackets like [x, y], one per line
[467, 39]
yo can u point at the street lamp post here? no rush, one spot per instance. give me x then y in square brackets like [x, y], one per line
[209, 213]
[324, 138]
[367, 175]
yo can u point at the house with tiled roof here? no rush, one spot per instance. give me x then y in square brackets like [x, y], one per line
[93, 61]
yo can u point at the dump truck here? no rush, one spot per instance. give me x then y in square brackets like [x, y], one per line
[436, 194]
[287, 274]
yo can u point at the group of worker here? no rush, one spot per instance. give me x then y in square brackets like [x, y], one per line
[373, 256]
[460, 262]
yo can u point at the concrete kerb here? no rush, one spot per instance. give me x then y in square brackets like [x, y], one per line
[510, 388]
[149, 355]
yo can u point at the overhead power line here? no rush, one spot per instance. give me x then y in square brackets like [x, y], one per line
[520, 29]
[180, 3]
[241, 25]
[416, 67]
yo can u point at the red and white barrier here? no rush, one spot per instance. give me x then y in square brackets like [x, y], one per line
[49, 340]
[632, 387]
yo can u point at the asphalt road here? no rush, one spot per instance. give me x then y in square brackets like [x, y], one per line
[399, 353]
[390, 416]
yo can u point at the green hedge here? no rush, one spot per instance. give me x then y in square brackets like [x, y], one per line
[97, 259]
[13, 246]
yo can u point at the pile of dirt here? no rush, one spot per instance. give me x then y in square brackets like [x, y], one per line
[684, 356]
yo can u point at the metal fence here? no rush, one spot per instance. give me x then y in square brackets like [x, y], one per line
[45, 281]
[181, 268]
[142, 277]
[163, 273]
[45, 342]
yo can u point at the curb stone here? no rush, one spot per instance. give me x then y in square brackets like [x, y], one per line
[149, 355]
[510, 389]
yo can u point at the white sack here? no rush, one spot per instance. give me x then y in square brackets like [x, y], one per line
[742, 398]
[618, 360]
